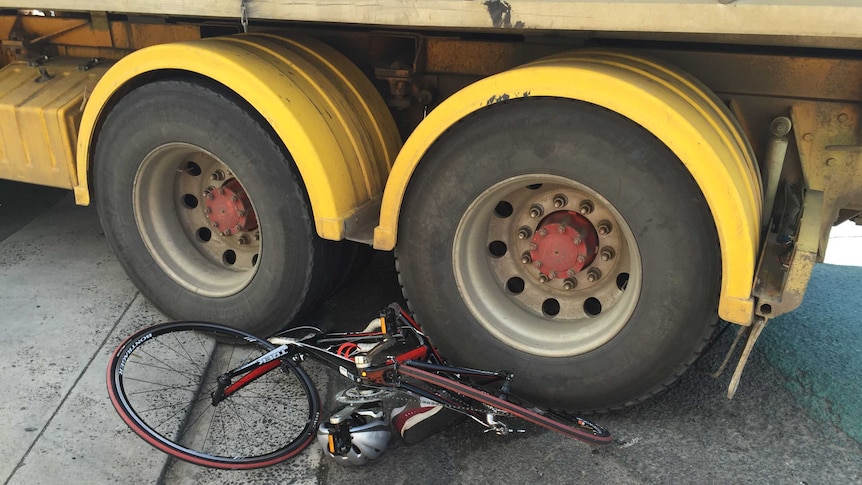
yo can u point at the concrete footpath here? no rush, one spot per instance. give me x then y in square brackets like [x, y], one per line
[65, 304]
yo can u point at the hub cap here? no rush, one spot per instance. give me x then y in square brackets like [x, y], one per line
[196, 220]
[547, 265]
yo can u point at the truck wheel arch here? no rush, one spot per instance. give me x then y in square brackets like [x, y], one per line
[692, 123]
[333, 122]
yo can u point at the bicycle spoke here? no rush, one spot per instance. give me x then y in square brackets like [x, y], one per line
[162, 378]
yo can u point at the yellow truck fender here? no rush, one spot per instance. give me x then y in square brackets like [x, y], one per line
[675, 108]
[330, 118]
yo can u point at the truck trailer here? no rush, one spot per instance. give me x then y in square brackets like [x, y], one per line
[575, 191]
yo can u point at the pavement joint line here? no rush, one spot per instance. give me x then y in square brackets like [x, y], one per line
[72, 388]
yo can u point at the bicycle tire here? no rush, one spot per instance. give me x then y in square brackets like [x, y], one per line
[578, 428]
[160, 382]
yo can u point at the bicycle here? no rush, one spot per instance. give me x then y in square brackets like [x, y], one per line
[219, 397]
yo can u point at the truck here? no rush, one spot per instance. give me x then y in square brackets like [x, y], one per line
[576, 191]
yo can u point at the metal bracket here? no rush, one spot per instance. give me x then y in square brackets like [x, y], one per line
[754, 332]
[243, 15]
[787, 260]
[739, 333]
[99, 21]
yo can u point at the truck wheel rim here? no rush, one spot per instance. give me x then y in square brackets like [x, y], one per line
[196, 220]
[547, 265]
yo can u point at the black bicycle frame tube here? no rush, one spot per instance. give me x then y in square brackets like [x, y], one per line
[455, 370]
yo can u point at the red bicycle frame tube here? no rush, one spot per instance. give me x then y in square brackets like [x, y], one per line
[251, 376]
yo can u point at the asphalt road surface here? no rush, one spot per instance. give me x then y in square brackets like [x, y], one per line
[65, 304]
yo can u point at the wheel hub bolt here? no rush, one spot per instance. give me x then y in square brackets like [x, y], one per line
[586, 207]
[593, 275]
[605, 228]
[244, 239]
[220, 191]
[217, 175]
[543, 278]
[526, 259]
[227, 232]
[237, 228]
[543, 232]
[561, 228]
[534, 246]
[608, 254]
[536, 211]
[215, 224]
[581, 258]
[537, 264]
[552, 274]
[577, 241]
[571, 273]
[207, 210]
[560, 200]
[570, 284]
[524, 232]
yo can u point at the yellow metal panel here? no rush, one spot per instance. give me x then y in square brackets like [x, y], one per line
[327, 114]
[38, 121]
[673, 107]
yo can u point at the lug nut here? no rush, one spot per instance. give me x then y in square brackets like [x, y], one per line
[605, 228]
[217, 175]
[207, 210]
[593, 275]
[570, 284]
[608, 254]
[537, 264]
[241, 213]
[536, 211]
[243, 240]
[552, 274]
[215, 224]
[577, 241]
[586, 207]
[543, 278]
[526, 259]
[571, 272]
[227, 232]
[560, 200]
[561, 228]
[257, 237]
[237, 228]
[581, 258]
[534, 246]
[524, 232]
[543, 232]
[220, 191]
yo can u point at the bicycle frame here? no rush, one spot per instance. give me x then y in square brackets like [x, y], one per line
[381, 366]
[362, 370]
[397, 358]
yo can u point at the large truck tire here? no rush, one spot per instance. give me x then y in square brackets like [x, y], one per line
[205, 210]
[560, 241]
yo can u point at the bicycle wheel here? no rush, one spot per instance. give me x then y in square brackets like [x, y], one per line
[160, 381]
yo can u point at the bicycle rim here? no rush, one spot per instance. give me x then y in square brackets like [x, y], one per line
[160, 381]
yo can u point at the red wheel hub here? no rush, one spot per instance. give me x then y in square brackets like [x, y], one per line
[564, 243]
[229, 209]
